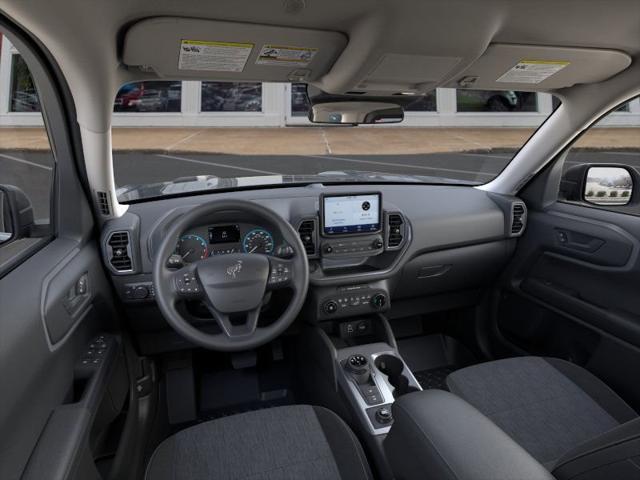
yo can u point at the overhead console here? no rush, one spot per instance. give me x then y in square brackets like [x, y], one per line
[209, 49]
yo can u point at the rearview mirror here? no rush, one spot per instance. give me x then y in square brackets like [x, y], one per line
[353, 109]
[16, 214]
[608, 186]
[356, 113]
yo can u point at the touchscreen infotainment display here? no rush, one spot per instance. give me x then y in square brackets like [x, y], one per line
[351, 214]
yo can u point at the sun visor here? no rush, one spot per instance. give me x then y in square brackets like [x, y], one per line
[180, 48]
[535, 68]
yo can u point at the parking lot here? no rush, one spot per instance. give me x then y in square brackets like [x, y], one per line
[32, 170]
[292, 152]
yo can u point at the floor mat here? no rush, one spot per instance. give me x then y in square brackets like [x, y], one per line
[435, 377]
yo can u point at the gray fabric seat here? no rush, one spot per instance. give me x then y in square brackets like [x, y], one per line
[293, 442]
[548, 406]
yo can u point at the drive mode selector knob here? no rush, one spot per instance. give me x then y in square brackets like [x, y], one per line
[358, 366]
[378, 301]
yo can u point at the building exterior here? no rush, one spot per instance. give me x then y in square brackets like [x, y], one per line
[243, 104]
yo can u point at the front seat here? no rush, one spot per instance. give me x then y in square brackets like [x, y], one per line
[564, 416]
[292, 442]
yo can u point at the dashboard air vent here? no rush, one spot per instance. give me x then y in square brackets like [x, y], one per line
[518, 218]
[395, 230]
[119, 252]
[103, 203]
[307, 231]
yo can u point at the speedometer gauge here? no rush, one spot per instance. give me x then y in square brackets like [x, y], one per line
[258, 241]
[191, 248]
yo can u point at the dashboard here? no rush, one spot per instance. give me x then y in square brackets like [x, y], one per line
[398, 249]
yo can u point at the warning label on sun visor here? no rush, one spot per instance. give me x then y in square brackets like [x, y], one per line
[285, 56]
[532, 71]
[214, 56]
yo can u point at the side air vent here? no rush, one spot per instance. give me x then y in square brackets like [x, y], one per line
[518, 218]
[307, 231]
[103, 203]
[119, 252]
[396, 231]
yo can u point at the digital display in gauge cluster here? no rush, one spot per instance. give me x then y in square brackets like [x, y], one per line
[224, 234]
[209, 241]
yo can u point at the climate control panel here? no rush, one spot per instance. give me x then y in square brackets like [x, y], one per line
[361, 246]
[354, 300]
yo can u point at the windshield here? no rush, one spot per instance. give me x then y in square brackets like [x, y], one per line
[179, 137]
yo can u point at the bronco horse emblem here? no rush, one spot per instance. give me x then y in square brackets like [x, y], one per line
[234, 270]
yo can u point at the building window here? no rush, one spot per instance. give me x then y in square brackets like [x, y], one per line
[496, 101]
[150, 97]
[299, 100]
[231, 97]
[425, 103]
[24, 97]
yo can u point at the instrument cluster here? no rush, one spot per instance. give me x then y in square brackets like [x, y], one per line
[208, 241]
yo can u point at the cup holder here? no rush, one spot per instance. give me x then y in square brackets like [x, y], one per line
[393, 367]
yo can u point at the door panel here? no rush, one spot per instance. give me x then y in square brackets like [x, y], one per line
[59, 394]
[39, 371]
[572, 291]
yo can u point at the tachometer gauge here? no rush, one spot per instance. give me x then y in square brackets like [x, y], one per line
[191, 248]
[258, 241]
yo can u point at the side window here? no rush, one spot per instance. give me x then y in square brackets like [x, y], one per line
[27, 166]
[602, 169]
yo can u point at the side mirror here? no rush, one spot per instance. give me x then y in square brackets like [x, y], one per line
[608, 186]
[16, 214]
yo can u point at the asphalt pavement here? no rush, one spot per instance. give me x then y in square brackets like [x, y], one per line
[32, 170]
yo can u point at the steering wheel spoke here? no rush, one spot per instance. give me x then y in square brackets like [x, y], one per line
[235, 329]
[280, 273]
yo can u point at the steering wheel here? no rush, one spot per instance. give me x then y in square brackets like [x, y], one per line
[232, 285]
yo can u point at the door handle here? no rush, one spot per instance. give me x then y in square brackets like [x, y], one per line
[78, 295]
[578, 241]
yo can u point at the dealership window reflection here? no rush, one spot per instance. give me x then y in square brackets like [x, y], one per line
[160, 96]
[495, 101]
[300, 102]
[231, 97]
[23, 95]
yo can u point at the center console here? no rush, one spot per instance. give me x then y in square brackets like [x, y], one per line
[372, 377]
[359, 374]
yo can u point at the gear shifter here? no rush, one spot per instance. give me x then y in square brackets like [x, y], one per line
[358, 366]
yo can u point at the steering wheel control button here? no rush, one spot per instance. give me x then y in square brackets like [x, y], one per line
[280, 274]
[187, 284]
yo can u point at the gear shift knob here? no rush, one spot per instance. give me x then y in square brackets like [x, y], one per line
[358, 366]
